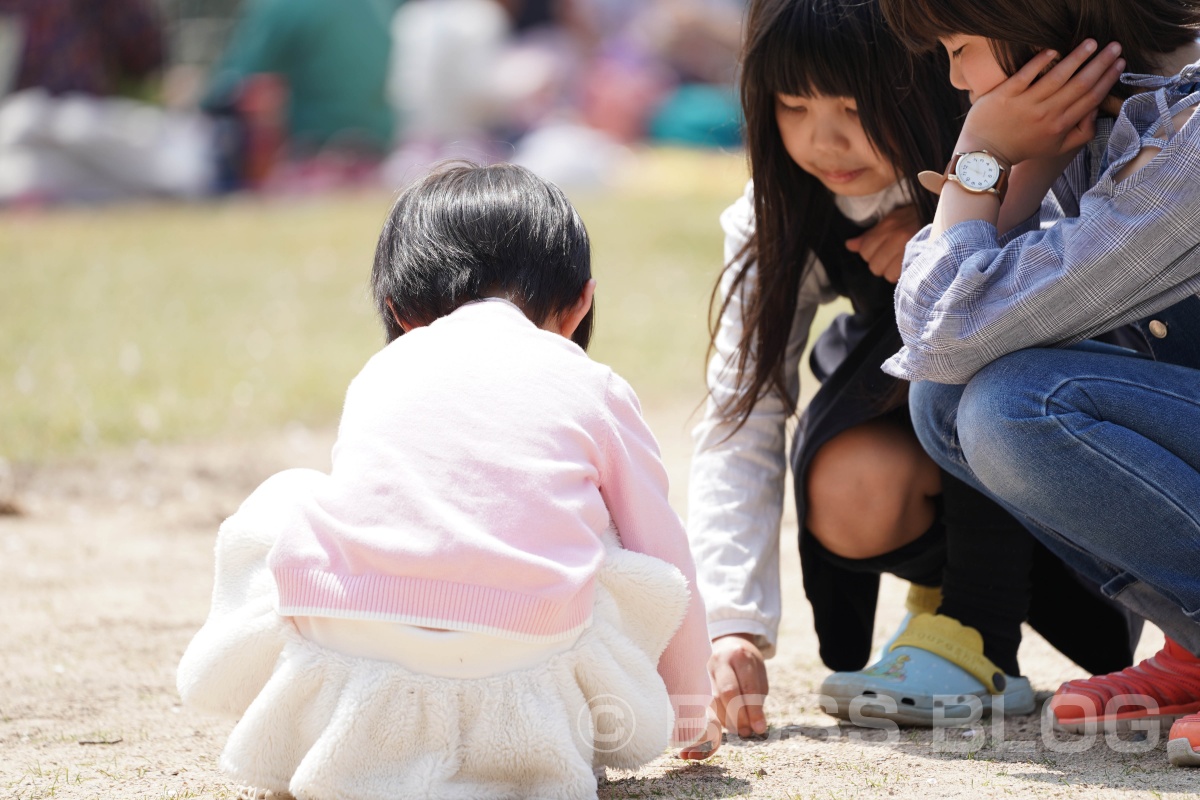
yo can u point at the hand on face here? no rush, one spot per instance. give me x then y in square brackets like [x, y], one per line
[882, 247]
[1028, 117]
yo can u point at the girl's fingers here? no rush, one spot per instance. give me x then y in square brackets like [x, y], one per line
[726, 683]
[1080, 135]
[878, 265]
[869, 247]
[743, 716]
[738, 709]
[890, 263]
[1058, 75]
[1095, 78]
[1026, 75]
[882, 236]
[747, 715]
[751, 719]
[752, 687]
[755, 718]
[1086, 103]
[733, 706]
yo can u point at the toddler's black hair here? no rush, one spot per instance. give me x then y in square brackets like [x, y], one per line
[466, 232]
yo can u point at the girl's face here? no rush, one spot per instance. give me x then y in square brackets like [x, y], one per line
[973, 66]
[824, 137]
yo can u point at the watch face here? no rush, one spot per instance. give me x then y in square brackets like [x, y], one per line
[978, 171]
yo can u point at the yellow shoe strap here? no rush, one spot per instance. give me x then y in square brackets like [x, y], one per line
[923, 599]
[955, 642]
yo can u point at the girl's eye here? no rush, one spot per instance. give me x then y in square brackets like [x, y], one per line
[958, 52]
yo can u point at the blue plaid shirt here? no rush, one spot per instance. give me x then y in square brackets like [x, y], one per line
[1105, 253]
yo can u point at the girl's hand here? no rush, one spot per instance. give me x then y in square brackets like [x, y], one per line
[882, 247]
[739, 675]
[710, 743]
[1028, 116]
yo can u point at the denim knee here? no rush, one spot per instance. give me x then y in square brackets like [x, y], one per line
[997, 414]
[934, 410]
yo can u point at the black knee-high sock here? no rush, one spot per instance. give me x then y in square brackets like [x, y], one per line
[921, 561]
[989, 561]
[1096, 633]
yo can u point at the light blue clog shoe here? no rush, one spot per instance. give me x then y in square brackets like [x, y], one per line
[934, 674]
[920, 600]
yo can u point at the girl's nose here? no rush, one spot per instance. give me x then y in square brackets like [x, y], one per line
[829, 136]
[956, 77]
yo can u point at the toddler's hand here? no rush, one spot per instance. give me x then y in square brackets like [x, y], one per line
[882, 247]
[1028, 116]
[709, 743]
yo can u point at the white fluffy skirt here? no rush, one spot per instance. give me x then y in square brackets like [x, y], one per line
[319, 724]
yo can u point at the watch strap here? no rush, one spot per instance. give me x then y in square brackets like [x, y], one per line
[933, 181]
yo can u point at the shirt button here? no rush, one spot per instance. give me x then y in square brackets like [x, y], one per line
[1158, 329]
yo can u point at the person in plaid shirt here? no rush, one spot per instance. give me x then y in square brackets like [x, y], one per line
[1095, 446]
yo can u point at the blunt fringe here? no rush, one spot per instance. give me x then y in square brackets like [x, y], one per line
[467, 232]
[1019, 29]
[909, 111]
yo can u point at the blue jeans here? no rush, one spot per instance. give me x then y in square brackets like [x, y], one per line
[1097, 450]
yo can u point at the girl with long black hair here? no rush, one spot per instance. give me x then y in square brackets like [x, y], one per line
[839, 121]
[1097, 448]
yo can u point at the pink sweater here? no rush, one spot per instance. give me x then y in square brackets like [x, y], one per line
[477, 463]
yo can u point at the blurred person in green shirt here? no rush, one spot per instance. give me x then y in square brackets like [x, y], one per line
[331, 56]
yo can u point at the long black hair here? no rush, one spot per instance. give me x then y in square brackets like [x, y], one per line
[909, 111]
[466, 232]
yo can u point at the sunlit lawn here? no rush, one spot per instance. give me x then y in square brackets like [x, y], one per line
[171, 323]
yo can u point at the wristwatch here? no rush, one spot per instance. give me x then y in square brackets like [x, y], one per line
[978, 171]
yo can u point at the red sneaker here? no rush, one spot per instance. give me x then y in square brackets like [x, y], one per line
[1183, 742]
[1163, 688]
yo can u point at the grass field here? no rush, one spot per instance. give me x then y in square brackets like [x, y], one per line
[171, 323]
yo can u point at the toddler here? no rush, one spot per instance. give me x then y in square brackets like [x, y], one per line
[488, 595]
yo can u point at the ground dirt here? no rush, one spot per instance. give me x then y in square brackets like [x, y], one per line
[106, 573]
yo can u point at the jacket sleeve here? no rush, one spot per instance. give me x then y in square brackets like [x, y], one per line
[966, 297]
[736, 486]
[634, 487]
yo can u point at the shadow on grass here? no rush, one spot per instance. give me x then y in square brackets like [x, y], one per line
[685, 780]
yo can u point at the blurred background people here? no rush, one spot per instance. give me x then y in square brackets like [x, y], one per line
[444, 54]
[96, 47]
[561, 86]
[114, 99]
[308, 76]
[73, 124]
